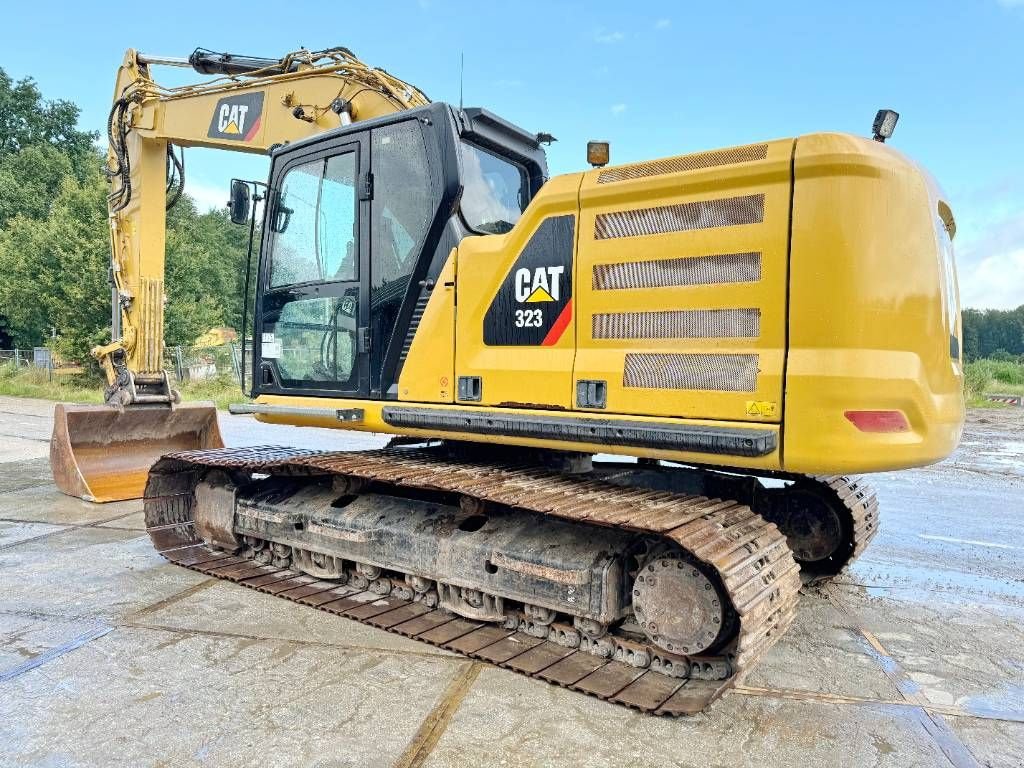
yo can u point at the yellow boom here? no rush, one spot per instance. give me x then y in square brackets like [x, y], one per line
[103, 453]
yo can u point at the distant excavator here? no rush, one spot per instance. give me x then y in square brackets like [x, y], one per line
[626, 401]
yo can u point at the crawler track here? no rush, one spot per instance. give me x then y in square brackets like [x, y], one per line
[749, 555]
[859, 501]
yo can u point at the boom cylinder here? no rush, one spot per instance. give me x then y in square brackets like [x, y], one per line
[211, 63]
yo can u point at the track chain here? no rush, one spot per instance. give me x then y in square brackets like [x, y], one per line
[750, 556]
[861, 503]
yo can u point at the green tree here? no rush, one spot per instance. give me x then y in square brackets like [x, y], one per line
[55, 270]
[28, 120]
[29, 181]
[991, 330]
[205, 257]
[54, 246]
[971, 320]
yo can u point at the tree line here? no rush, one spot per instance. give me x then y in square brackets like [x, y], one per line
[997, 333]
[54, 238]
[55, 252]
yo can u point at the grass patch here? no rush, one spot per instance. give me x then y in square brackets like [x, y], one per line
[222, 391]
[987, 376]
[38, 383]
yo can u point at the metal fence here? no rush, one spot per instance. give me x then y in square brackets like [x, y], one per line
[181, 363]
[36, 357]
[208, 363]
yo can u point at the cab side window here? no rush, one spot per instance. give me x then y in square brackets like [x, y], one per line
[401, 209]
[314, 224]
[311, 307]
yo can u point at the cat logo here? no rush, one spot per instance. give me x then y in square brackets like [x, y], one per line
[537, 285]
[237, 118]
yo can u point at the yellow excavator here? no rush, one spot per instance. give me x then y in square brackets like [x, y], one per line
[626, 403]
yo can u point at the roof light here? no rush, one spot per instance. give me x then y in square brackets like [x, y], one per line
[884, 125]
[598, 153]
[878, 421]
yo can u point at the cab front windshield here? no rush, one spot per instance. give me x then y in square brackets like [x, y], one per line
[494, 193]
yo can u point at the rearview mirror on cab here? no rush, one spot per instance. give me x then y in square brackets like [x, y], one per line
[240, 202]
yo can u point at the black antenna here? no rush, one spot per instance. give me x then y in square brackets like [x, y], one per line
[462, 69]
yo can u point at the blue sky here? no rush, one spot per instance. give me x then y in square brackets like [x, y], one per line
[655, 79]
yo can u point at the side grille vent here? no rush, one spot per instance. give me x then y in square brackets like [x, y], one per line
[684, 163]
[665, 273]
[414, 323]
[678, 324]
[721, 373]
[683, 217]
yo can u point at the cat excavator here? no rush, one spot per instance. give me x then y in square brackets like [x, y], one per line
[629, 406]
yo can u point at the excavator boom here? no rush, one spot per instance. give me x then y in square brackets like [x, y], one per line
[103, 453]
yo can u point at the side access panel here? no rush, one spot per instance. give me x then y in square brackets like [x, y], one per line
[428, 371]
[514, 323]
[681, 284]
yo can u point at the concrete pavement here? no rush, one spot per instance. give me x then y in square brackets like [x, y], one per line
[110, 655]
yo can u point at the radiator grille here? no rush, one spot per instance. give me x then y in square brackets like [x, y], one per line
[665, 273]
[678, 324]
[722, 373]
[683, 217]
[685, 163]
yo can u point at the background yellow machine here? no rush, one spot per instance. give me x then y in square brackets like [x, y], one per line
[628, 398]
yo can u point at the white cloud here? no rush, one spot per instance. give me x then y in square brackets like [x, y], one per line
[618, 109]
[996, 282]
[207, 197]
[989, 243]
[608, 37]
[663, 23]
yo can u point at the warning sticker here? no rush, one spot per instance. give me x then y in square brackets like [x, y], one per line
[763, 408]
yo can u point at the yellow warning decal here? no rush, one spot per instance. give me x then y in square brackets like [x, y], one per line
[539, 294]
[763, 408]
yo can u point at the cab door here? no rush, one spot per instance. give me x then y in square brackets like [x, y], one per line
[313, 309]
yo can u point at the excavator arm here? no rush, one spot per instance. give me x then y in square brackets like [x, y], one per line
[252, 105]
[103, 453]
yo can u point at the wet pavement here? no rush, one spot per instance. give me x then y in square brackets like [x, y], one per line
[110, 655]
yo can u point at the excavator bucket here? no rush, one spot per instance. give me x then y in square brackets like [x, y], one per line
[103, 453]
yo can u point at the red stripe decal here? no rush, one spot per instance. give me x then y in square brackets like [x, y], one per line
[559, 327]
[252, 129]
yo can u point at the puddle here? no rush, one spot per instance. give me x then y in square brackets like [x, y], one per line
[920, 584]
[1006, 703]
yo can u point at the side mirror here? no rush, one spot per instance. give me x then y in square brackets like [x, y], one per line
[240, 202]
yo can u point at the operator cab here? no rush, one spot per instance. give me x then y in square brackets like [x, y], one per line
[358, 224]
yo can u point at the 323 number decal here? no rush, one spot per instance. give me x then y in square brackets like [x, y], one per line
[529, 318]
